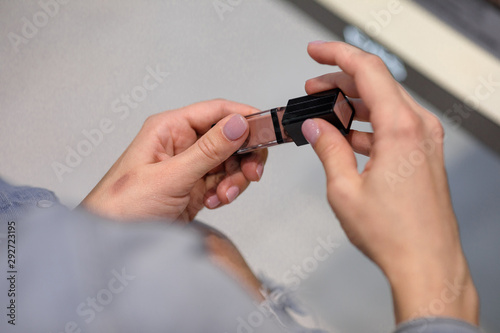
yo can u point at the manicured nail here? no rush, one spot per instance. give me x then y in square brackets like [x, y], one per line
[232, 193]
[317, 42]
[235, 127]
[311, 131]
[260, 170]
[213, 201]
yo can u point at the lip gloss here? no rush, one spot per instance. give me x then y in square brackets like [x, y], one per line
[284, 124]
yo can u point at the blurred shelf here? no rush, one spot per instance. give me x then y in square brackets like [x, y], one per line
[440, 63]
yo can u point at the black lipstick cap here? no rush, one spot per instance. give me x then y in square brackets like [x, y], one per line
[331, 105]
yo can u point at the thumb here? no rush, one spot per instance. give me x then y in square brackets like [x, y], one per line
[332, 149]
[212, 149]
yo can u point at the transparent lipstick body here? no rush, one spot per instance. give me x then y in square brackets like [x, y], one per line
[284, 124]
[266, 130]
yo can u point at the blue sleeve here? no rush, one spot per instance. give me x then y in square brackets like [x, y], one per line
[70, 271]
[436, 325]
[74, 272]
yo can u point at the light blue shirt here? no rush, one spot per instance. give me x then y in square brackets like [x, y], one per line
[73, 272]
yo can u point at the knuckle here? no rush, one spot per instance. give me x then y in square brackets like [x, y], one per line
[309, 85]
[219, 102]
[150, 121]
[434, 123]
[340, 191]
[438, 133]
[208, 148]
[409, 127]
[328, 150]
[374, 62]
[436, 127]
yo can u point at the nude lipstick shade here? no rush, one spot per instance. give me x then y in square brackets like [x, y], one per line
[284, 124]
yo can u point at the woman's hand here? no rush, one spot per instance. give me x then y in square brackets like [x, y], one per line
[398, 210]
[177, 164]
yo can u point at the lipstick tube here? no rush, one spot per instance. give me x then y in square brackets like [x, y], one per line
[284, 124]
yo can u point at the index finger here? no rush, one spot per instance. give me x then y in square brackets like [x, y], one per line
[375, 84]
[203, 115]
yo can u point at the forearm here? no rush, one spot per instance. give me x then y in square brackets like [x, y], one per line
[403, 221]
[435, 290]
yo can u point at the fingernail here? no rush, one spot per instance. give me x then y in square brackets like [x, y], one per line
[311, 131]
[232, 193]
[235, 127]
[213, 201]
[317, 42]
[260, 170]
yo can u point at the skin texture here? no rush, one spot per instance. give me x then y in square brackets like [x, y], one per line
[398, 211]
[178, 164]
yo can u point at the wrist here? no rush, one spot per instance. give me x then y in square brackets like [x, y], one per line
[95, 204]
[434, 290]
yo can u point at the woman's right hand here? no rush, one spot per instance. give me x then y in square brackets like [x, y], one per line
[398, 211]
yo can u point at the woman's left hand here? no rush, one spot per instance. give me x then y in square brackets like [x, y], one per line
[179, 163]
